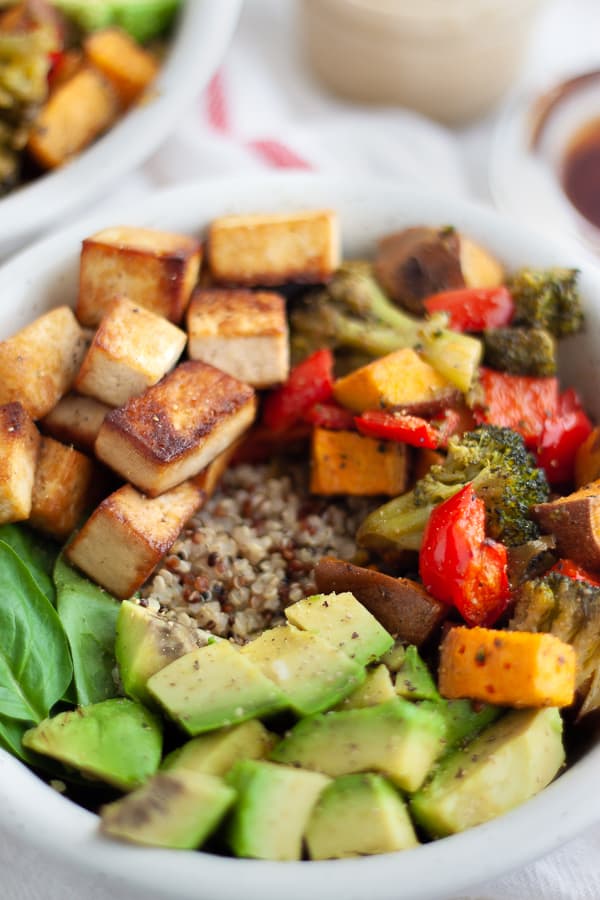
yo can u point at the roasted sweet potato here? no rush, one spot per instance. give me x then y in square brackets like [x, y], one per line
[344, 462]
[574, 521]
[128, 67]
[587, 459]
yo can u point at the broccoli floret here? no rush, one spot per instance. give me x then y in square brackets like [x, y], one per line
[503, 474]
[547, 299]
[520, 351]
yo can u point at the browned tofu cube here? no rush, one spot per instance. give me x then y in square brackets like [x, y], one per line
[38, 364]
[125, 538]
[132, 349]
[275, 248]
[207, 481]
[241, 332]
[177, 427]
[129, 67]
[156, 269]
[65, 486]
[19, 446]
[75, 420]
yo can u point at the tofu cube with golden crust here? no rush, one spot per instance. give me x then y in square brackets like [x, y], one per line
[75, 420]
[19, 447]
[241, 332]
[176, 428]
[207, 481]
[156, 269]
[65, 486]
[274, 249]
[125, 538]
[129, 67]
[39, 363]
[132, 349]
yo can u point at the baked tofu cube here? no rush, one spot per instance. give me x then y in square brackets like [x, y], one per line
[156, 269]
[128, 67]
[241, 332]
[75, 420]
[207, 481]
[19, 447]
[177, 427]
[65, 486]
[39, 363]
[344, 462]
[132, 349]
[125, 538]
[274, 249]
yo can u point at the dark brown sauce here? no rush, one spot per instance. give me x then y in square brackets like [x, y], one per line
[581, 171]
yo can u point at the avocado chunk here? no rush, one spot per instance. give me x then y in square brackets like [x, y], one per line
[397, 739]
[506, 764]
[376, 688]
[394, 657]
[175, 809]
[463, 719]
[273, 808]
[413, 678]
[142, 19]
[216, 753]
[344, 622]
[213, 687]
[145, 644]
[313, 675]
[359, 815]
[117, 741]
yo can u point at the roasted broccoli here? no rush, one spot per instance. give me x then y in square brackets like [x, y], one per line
[547, 299]
[353, 312]
[503, 474]
[520, 351]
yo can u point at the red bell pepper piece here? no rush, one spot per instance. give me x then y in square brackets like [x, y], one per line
[310, 382]
[521, 402]
[474, 309]
[452, 421]
[391, 426]
[459, 565]
[561, 437]
[330, 415]
[570, 569]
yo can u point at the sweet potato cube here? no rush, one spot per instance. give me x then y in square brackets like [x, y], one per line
[574, 521]
[125, 538]
[156, 269]
[344, 462]
[75, 420]
[19, 447]
[38, 364]
[128, 67]
[274, 249]
[132, 349]
[65, 486]
[75, 113]
[587, 459]
[176, 428]
[399, 380]
[241, 332]
[509, 668]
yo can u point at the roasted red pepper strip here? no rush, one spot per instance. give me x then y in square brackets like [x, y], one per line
[570, 569]
[474, 309]
[459, 565]
[310, 382]
[561, 437]
[521, 402]
[330, 415]
[453, 421]
[395, 427]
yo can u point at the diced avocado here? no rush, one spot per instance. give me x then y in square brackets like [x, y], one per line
[413, 678]
[394, 658]
[359, 815]
[273, 808]
[117, 741]
[312, 673]
[175, 809]
[212, 687]
[216, 753]
[344, 622]
[506, 764]
[377, 688]
[145, 644]
[463, 719]
[396, 738]
[142, 19]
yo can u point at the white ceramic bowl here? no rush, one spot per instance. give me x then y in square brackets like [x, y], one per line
[201, 37]
[44, 822]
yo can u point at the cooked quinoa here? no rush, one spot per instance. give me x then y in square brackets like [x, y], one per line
[251, 551]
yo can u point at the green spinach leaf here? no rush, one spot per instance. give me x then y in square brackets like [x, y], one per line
[38, 553]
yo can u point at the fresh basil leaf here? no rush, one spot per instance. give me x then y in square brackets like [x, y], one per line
[35, 665]
[38, 553]
[89, 617]
[11, 732]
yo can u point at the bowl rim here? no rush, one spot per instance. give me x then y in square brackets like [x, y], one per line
[30, 809]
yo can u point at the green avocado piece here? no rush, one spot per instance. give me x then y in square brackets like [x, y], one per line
[463, 719]
[312, 673]
[145, 644]
[117, 741]
[344, 622]
[216, 753]
[506, 764]
[413, 678]
[142, 19]
[397, 739]
[394, 657]
[213, 687]
[359, 815]
[273, 808]
[376, 688]
[175, 809]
